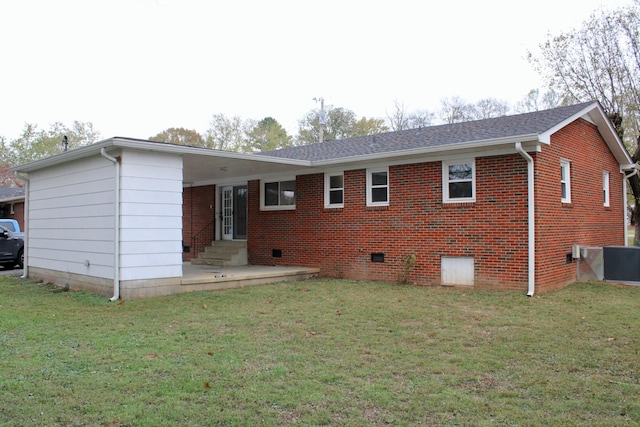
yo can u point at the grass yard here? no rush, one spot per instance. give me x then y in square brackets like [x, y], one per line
[321, 352]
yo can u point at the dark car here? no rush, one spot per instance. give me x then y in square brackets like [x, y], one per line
[11, 249]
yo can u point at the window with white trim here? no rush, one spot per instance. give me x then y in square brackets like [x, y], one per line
[334, 190]
[459, 181]
[605, 188]
[278, 195]
[565, 180]
[378, 187]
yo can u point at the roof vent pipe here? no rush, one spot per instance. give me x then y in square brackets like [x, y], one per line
[116, 250]
[531, 220]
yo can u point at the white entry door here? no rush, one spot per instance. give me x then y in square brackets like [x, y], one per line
[227, 213]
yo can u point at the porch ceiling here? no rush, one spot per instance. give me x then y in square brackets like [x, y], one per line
[202, 169]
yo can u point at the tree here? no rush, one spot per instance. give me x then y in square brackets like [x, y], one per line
[341, 123]
[226, 133]
[35, 144]
[534, 101]
[601, 61]
[266, 135]
[420, 119]
[456, 110]
[488, 108]
[364, 127]
[180, 136]
[401, 119]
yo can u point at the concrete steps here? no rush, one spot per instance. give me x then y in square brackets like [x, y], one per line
[223, 253]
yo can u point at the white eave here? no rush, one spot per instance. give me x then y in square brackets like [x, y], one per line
[480, 146]
[201, 164]
[595, 114]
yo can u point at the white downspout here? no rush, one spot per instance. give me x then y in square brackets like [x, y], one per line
[116, 251]
[25, 266]
[531, 220]
[624, 202]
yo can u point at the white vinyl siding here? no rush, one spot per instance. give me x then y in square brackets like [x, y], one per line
[72, 217]
[150, 216]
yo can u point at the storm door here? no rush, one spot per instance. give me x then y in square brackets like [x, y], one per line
[234, 212]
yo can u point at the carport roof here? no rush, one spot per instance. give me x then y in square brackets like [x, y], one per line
[200, 164]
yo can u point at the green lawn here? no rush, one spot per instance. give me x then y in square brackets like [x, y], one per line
[321, 352]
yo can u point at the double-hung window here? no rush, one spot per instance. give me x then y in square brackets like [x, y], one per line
[605, 189]
[278, 194]
[458, 181]
[378, 187]
[565, 180]
[334, 190]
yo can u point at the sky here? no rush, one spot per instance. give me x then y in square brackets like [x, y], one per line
[134, 68]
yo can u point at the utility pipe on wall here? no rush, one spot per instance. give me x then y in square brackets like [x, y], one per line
[25, 266]
[624, 201]
[531, 220]
[116, 251]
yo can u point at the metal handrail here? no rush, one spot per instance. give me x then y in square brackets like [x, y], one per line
[203, 238]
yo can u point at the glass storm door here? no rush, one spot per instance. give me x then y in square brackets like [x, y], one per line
[227, 213]
[234, 212]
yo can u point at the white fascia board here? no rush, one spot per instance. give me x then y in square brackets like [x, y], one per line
[629, 167]
[138, 144]
[545, 137]
[479, 147]
[594, 113]
[209, 152]
[12, 199]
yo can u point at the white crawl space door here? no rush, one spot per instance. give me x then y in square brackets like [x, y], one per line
[458, 271]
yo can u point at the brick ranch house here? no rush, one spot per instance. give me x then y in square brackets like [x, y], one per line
[495, 203]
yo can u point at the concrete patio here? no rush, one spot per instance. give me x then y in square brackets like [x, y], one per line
[206, 277]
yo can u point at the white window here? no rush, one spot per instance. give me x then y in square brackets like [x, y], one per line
[276, 195]
[605, 188]
[378, 187]
[565, 180]
[334, 190]
[459, 181]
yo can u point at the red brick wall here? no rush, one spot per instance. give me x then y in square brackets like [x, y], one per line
[340, 241]
[585, 220]
[493, 229]
[198, 211]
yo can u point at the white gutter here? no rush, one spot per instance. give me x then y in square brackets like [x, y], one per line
[25, 266]
[531, 221]
[116, 250]
[624, 201]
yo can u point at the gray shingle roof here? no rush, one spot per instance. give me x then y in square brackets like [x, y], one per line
[434, 136]
[11, 192]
